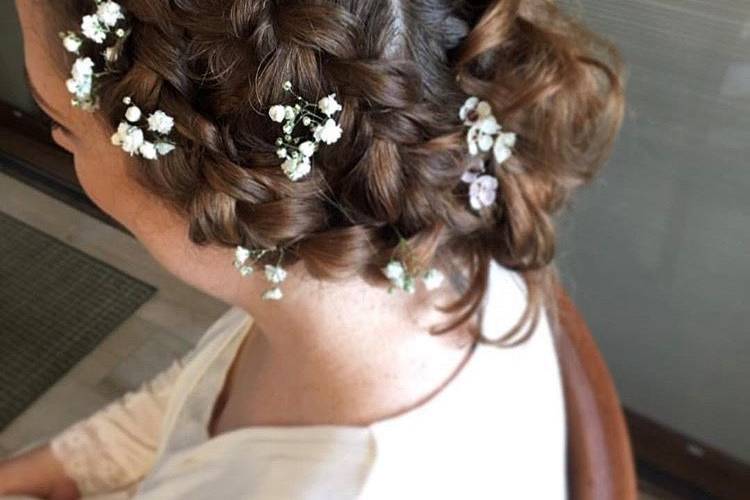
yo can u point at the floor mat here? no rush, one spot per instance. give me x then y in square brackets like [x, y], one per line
[56, 304]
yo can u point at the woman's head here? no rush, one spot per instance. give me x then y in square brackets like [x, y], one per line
[401, 71]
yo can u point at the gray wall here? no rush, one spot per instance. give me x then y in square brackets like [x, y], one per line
[12, 86]
[656, 252]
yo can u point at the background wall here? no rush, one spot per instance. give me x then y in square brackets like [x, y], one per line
[657, 252]
[12, 86]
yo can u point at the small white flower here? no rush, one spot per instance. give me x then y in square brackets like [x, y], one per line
[277, 113]
[296, 168]
[81, 79]
[72, 43]
[394, 270]
[118, 136]
[307, 148]
[274, 293]
[275, 274]
[480, 135]
[290, 113]
[120, 32]
[160, 122]
[109, 13]
[246, 271]
[433, 278]
[133, 114]
[474, 111]
[488, 125]
[329, 132]
[484, 110]
[73, 86]
[164, 148]
[329, 105]
[483, 191]
[241, 254]
[93, 29]
[281, 152]
[503, 143]
[396, 273]
[148, 150]
[468, 106]
[83, 68]
[132, 140]
[287, 85]
[127, 100]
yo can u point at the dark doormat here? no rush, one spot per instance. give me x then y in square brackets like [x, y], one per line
[56, 305]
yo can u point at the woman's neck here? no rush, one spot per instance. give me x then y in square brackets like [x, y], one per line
[344, 353]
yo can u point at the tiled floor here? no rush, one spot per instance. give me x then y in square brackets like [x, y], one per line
[164, 328]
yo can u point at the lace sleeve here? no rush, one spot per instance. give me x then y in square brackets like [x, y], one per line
[116, 446]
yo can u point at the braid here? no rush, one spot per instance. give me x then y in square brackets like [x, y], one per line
[401, 69]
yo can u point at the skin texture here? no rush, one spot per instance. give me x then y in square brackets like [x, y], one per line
[338, 353]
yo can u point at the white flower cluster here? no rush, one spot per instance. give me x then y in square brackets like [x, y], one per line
[131, 138]
[400, 278]
[297, 151]
[275, 275]
[95, 27]
[484, 134]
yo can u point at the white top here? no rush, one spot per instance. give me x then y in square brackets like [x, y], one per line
[497, 430]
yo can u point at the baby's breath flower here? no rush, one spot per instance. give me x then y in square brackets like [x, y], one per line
[275, 274]
[329, 105]
[241, 254]
[396, 272]
[274, 293]
[109, 13]
[164, 148]
[133, 114]
[484, 134]
[432, 279]
[93, 29]
[483, 191]
[81, 80]
[469, 106]
[148, 150]
[277, 113]
[160, 122]
[329, 132]
[290, 113]
[72, 42]
[132, 140]
[296, 168]
[503, 143]
[296, 151]
[307, 148]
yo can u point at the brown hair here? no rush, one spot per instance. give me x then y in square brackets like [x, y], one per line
[402, 69]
